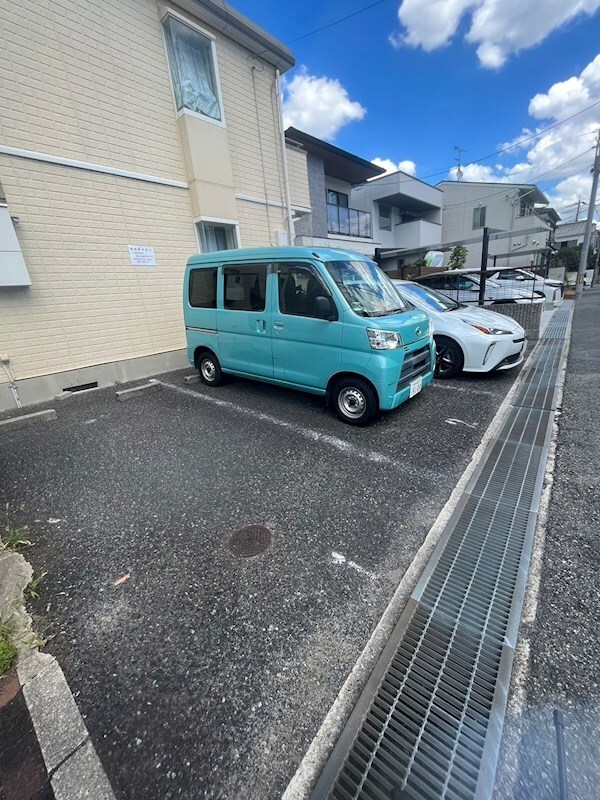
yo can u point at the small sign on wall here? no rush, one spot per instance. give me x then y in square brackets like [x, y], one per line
[142, 255]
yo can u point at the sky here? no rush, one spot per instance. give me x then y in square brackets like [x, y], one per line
[405, 81]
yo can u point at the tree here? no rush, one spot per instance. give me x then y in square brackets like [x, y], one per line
[458, 257]
[568, 258]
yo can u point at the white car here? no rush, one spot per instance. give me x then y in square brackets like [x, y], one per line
[467, 338]
[525, 281]
[463, 286]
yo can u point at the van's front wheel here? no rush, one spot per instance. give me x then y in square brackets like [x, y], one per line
[210, 369]
[354, 401]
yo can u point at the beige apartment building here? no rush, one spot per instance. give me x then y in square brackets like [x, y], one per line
[132, 134]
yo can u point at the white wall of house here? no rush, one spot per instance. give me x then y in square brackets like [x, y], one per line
[398, 193]
[464, 202]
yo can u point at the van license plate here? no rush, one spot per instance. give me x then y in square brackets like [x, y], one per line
[415, 387]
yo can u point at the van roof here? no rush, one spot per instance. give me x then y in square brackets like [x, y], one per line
[270, 253]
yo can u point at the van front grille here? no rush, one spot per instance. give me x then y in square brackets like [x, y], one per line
[415, 364]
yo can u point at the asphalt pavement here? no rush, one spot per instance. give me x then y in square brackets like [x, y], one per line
[204, 674]
[563, 648]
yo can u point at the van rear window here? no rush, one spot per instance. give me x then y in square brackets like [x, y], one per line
[245, 287]
[203, 288]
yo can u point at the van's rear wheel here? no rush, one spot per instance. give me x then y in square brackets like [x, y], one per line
[354, 401]
[210, 369]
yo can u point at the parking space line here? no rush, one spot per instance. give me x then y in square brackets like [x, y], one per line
[470, 389]
[340, 445]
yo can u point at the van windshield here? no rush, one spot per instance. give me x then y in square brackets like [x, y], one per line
[368, 291]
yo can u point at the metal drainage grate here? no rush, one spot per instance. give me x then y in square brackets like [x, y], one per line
[249, 541]
[429, 722]
[557, 327]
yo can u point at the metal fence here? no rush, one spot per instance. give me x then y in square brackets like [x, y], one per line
[501, 286]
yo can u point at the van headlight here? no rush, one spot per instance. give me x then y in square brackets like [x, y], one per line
[383, 340]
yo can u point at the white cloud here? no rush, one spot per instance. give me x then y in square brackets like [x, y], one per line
[391, 166]
[499, 28]
[562, 155]
[317, 105]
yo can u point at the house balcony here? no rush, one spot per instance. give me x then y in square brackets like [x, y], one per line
[348, 222]
[419, 233]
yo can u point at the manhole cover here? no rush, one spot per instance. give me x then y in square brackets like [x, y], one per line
[250, 541]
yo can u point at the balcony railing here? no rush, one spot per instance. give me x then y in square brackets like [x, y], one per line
[348, 221]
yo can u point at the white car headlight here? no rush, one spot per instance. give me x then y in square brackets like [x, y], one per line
[490, 330]
[383, 340]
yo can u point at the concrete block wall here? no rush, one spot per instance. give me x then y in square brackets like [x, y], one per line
[528, 315]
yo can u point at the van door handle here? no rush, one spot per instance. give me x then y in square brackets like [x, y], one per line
[278, 326]
[260, 325]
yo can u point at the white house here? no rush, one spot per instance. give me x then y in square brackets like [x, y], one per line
[519, 209]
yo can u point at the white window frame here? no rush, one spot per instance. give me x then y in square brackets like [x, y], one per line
[170, 12]
[232, 223]
[479, 208]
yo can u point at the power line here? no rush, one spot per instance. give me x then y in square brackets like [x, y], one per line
[531, 180]
[335, 22]
[535, 135]
[382, 181]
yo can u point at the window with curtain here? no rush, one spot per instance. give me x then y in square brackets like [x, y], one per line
[215, 236]
[192, 67]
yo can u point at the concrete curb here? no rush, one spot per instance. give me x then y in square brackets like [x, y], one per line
[45, 748]
[24, 420]
[131, 394]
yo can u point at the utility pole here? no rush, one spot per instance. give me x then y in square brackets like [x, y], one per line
[578, 207]
[588, 225]
[485, 244]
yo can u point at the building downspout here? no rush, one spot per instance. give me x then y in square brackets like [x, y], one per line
[286, 177]
[12, 381]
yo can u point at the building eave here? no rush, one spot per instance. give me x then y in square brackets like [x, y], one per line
[338, 163]
[225, 19]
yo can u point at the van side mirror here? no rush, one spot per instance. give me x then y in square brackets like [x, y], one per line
[323, 308]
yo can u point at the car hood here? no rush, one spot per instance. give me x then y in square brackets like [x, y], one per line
[413, 325]
[476, 315]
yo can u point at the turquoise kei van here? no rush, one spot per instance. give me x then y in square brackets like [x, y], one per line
[320, 320]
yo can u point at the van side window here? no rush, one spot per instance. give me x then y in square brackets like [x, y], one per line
[245, 287]
[203, 288]
[299, 287]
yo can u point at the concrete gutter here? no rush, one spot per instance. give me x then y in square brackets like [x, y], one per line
[44, 745]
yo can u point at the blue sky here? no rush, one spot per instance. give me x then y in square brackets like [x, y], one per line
[465, 77]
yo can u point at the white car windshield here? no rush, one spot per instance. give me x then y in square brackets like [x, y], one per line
[367, 290]
[423, 295]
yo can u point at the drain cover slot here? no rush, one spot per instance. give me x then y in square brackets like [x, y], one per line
[429, 722]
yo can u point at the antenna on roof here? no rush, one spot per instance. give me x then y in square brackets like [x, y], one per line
[459, 150]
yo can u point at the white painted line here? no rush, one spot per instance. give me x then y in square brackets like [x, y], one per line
[461, 422]
[324, 438]
[440, 384]
[340, 559]
[318, 752]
